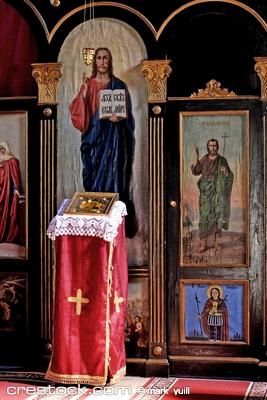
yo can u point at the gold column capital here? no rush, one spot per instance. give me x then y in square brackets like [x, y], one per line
[156, 73]
[47, 76]
[261, 69]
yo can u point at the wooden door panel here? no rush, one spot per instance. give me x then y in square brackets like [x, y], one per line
[231, 336]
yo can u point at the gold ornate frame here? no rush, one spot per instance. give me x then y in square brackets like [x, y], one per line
[86, 203]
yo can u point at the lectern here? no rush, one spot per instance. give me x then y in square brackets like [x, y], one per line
[90, 297]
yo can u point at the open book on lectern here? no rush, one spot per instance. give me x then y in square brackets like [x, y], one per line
[113, 102]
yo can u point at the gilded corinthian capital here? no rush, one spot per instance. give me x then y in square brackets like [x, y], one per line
[261, 69]
[47, 76]
[156, 73]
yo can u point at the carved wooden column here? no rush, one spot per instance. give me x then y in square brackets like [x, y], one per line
[156, 73]
[47, 77]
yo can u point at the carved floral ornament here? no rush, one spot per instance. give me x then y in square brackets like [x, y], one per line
[213, 89]
[47, 77]
[261, 69]
[156, 73]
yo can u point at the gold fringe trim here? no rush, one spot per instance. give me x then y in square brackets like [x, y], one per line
[68, 379]
[84, 379]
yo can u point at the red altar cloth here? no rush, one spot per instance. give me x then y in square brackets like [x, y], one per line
[90, 299]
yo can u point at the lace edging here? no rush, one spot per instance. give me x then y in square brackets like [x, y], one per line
[105, 227]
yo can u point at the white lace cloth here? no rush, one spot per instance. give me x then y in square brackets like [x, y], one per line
[103, 227]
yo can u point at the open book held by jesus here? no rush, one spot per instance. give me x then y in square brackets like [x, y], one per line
[113, 102]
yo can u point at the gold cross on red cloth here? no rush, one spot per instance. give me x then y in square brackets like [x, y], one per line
[78, 300]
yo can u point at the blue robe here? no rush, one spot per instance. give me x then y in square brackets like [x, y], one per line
[107, 152]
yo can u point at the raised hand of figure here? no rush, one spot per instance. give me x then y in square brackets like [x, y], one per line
[196, 150]
[85, 81]
[196, 155]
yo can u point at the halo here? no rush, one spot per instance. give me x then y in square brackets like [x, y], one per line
[93, 36]
[215, 287]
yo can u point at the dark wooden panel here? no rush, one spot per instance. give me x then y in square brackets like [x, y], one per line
[254, 273]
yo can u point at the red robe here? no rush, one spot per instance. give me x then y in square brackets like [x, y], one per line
[8, 200]
[81, 110]
[225, 327]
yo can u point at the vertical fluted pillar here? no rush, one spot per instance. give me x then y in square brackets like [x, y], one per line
[156, 73]
[47, 77]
